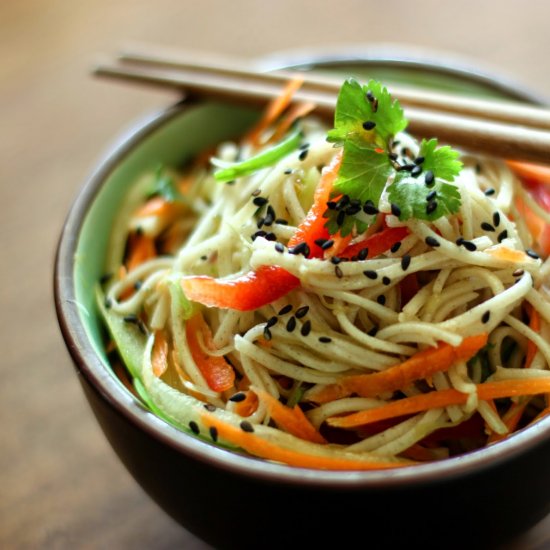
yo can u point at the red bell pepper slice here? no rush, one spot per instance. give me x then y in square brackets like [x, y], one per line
[268, 283]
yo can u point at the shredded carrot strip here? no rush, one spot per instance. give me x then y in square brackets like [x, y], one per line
[159, 356]
[155, 206]
[273, 111]
[534, 324]
[219, 374]
[421, 365]
[530, 171]
[140, 249]
[248, 405]
[442, 398]
[506, 254]
[271, 451]
[299, 110]
[293, 421]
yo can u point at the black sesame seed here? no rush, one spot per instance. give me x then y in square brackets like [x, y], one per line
[431, 195]
[331, 205]
[532, 254]
[353, 209]
[496, 219]
[392, 156]
[108, 303]
[489, 192]
[320, 242]
[429, 177]
[302, 311]
[270, 236]
[291, 324]
[419, 160]
[259, 201]
[395, 247]
[405, 262]
[260, 233]
[272, 321]
[395, 210]
[460, 241]
[363, 253]
[138, 284]
[303, 154]
[204, 258]
[131, 318]
[386, 280]
[285, 309]
[260, 223]
[209, 407]
[238, 397]
[369, 208]
[194, 427]
[381, 299]
[432, 241]
[267, 334]
[304, 146]
[246, 426]
[369, 125]
[502, 235]
[338, 272]
[518, 273]
[340, 217]
[370, 96]
[279, 247]
[270, 216]
[342, 202]
[487, 226]
[416, 171]
[370, 274]
[485, 317]
[300, 248]
[306, 328]
[281, 221]
[325, 339]
[288, 171]
[469, 245]
[328, 244]
[335, 260]
[306, 251]
[213, 433]
[431, 207]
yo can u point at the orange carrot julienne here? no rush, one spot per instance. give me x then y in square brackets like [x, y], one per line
[506, 254]
[159, 356]
[299, 110]
[293, 421]
[529, 171]
[273, 111]
[262, 448]
[534, 324]
[442, 398]
[248, 405]
[141, 248]
[219, 375]
[421, 365]
[155, 206]
[511, 419]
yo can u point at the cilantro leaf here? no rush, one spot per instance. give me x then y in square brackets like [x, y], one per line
[363, 172]
[411, 196]
[441, 161]
[165, 186]
[372, 103]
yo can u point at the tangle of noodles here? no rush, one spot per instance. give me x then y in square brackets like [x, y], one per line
[232, 375]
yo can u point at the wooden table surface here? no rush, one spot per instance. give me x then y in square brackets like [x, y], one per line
[61, 486]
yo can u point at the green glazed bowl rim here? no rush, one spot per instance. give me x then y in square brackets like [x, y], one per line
[90, 366]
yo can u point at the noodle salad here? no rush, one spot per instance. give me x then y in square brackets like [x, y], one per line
[340, 298]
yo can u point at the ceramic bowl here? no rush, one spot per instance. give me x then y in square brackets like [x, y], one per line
[234, 501]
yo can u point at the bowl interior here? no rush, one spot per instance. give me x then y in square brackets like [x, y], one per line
[171, 139]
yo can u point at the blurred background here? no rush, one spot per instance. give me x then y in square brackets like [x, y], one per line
[60, 484]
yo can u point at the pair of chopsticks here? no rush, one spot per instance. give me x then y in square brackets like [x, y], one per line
[507, 129]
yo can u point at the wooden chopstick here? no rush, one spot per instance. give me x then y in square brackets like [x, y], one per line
[498, 110]
[519, 138]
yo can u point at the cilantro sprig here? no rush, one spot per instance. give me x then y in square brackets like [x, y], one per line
[366, 121]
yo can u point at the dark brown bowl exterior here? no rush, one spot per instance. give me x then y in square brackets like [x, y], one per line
[231, 501]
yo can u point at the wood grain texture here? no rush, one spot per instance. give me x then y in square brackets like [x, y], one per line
[60, 484]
